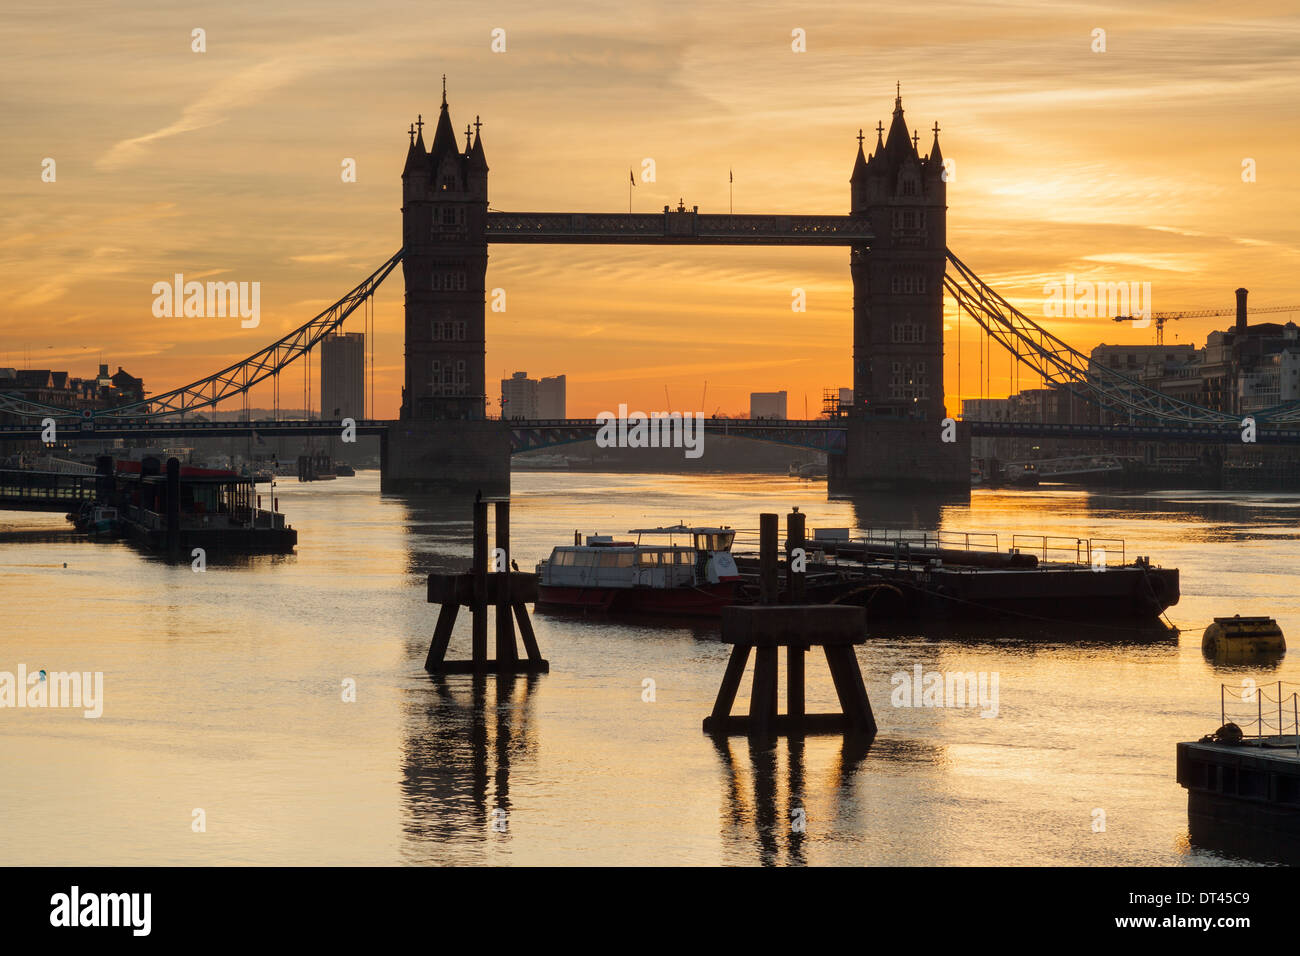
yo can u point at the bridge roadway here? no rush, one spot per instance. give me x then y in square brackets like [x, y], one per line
[676, 227]
[528, 435]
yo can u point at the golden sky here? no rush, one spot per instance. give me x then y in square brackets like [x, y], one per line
[1117, 166]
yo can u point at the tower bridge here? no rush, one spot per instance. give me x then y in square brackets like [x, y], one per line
[894, 434]
[895, 234]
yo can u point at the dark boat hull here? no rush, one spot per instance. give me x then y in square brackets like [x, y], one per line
[216, 540]
[1136, 594]
[706, 601]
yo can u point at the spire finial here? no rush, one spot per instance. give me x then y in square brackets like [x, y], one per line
[419, 123]
[859, 137]
[898, 96]
[468, 127]
[916, 139]
[936, 128]
[477, 124]
[412, 132]
[880, 129]
[444, 90]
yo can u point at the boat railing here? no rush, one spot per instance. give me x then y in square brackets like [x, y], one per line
[904, 545]
[896, 538]
[151, 520]
[1059, 549]
[944, 540]
[1262, 710]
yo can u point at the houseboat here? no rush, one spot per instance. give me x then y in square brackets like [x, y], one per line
[183, 507]
[661, 577]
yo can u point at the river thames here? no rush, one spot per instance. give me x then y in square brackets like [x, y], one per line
[224, 697]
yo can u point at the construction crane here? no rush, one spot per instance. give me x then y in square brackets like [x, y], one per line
[1160, 318]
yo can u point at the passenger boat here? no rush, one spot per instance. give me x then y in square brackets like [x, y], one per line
[605, 574]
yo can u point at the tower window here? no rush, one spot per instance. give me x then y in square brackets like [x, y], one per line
[907, 282]
[906, 333]
[909, 218]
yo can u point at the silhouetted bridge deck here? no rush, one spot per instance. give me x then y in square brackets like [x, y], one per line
[676, 227]
[820, 434]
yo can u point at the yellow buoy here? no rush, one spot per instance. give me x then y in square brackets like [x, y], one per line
[1237, 638]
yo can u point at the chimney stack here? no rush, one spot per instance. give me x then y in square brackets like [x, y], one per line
[1241, 311]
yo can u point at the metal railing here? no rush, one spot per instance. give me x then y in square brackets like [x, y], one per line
[1053, 549]
[1062, 550]
[1234, 707]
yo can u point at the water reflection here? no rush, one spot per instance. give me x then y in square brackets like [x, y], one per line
[903, 510]
[457, 758]
[1031, 635]
[439, 531]
[1237, 508]
[769, 818]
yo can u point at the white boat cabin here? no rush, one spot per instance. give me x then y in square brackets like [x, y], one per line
[605, 563]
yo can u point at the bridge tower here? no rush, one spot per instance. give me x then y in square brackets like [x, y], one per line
[895, 429]
[444, 440]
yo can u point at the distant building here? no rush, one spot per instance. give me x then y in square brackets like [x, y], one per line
[767, 405]
[524, 397]
[128, 387]
[519, 396]
[551, 401]
[343, 376]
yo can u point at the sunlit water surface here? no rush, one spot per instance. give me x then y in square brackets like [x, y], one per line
[225, 693]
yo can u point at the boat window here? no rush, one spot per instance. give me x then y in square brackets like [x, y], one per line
[585, 559]
[616, 559]
[650, 558]
[685, 557]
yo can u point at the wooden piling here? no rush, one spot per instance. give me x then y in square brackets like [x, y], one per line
[505, 590]
[767, 577]
[767, 628]
[505, 646]
[795, 583]
[480, 571]
[794, 539]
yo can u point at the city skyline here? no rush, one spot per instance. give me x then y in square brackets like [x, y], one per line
[1116, 168]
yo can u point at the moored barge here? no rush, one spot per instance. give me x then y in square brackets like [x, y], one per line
[1243, 780]
[968, 576]
[185, 508]
[696, 579]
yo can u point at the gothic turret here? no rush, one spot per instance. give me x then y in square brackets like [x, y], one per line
[898, 278]
[444, 216]
[860, 164]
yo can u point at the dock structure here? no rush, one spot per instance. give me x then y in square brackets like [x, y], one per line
[767, 627]
[503, 588]
[1243, 780]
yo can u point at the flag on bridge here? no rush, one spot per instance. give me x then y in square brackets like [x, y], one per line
[631, 178]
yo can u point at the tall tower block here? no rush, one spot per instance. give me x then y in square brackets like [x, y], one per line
[894, 438]
[444, 441]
